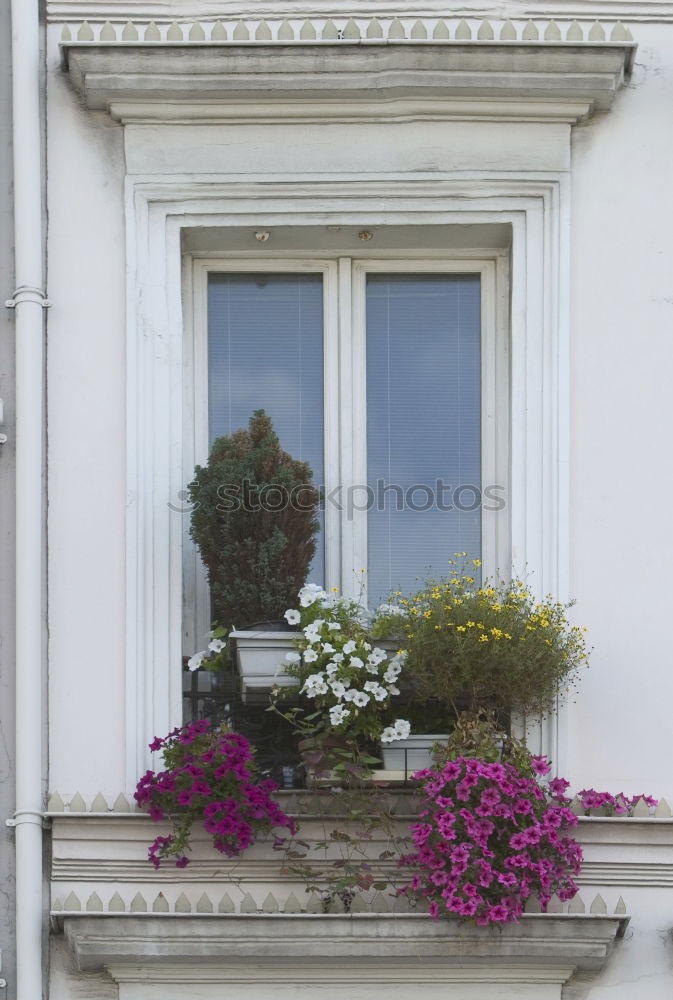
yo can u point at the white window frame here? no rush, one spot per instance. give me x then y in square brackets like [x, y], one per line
[532, 297]
[345, 412]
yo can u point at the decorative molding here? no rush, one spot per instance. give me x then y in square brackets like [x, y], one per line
[169, 10]
[321, 112]
[313, 804]
[99, 865]
[343, 29]
[563, 942]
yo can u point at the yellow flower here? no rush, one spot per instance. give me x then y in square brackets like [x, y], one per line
[483, 638]
[427, 614]
[461, 628]
[476, 562]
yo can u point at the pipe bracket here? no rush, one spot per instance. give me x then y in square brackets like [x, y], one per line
[28, 293]
[27, 816]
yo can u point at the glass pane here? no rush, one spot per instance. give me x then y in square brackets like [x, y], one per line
[423, 426]
[265, 351]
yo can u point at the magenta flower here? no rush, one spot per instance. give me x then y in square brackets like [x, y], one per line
[209, 777]
[508, 841]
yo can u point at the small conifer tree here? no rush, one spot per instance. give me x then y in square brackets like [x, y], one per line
[254, 520]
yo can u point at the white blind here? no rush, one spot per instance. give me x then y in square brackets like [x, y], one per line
[423, 426]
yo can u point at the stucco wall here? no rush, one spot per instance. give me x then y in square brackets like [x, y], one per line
[621, 474]
[621, 260]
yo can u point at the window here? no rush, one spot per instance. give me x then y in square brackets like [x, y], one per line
[373, 371]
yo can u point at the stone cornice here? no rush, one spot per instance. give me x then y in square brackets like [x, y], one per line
[561, 943]
[354, 78]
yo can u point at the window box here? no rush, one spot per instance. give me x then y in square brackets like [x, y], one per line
[412, 754]
[260, 658]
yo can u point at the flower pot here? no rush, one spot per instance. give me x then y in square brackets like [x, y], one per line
[259, 654]
[412, 754]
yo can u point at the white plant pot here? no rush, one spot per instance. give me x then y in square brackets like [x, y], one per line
[261, 663]
[260, 659]
[412, 754]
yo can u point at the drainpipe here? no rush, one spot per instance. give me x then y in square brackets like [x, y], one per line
[28, 303]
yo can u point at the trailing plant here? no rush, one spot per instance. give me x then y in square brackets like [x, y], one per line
[254, 519]
[606, 804]
[488, 837]
[492, 645]
[209, 778]
[358, 850]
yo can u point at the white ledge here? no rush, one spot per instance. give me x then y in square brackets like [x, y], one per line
[575, 943]
[522, 80]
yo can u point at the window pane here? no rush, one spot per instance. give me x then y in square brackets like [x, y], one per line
[265, 351]
[423, 426]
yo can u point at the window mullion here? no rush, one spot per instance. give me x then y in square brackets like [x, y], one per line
[354, 428]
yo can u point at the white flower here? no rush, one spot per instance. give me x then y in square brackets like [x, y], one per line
[331, 668]
[310, 656]
[293, 657]
[327, 648]
[334, 626]
[399, 731]
[393, 689]
[376, 690]
[292, 617]
[402, 728]
[338, 689]
[360, 698]
[378, 655]
[311, 593]
[392, 673]
[389, 609]
[371, 668]
[338, 657]
[314, 685]
[195, 661]
[350, 647]
[216, 645]
[366, 645]
[350, 694]
[337, 714]
[355, 661]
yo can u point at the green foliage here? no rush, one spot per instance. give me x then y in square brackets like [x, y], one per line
[479, 735]
[254, 521]
[492, 646]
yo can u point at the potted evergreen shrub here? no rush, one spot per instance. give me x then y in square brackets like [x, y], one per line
[254, 519]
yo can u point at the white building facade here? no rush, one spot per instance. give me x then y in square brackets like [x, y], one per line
[527, 145]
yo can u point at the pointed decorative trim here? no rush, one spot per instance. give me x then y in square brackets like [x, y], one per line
[345, 30]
